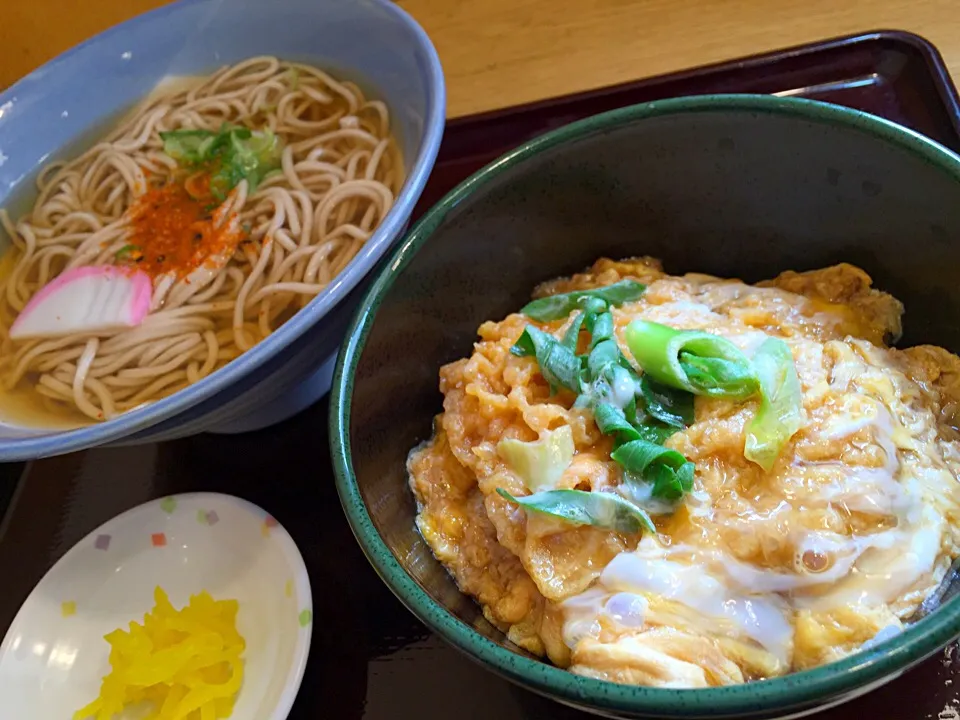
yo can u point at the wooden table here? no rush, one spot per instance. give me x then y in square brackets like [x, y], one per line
[503, 52]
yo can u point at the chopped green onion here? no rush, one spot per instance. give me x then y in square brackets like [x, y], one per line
[691, 360]
[781, 404]
[294, 75]
[554, 307]
[233, 154]
[190, 147]
[613, 421]
[594, 305]
[623, 424]
[599, 509]
[607, 383]
[572, 336]
[540, 463]
[249, 156]
[604, 356]
[668, 405]
[655, 432]
[671, 483]
[601, 328]
[638, 456]
[125, 251]
[649, 428]
[558, 364]
[669, 471]
[719, 377]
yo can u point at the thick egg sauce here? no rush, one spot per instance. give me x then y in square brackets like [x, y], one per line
[756, 573]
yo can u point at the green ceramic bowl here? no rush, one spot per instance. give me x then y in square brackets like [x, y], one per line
[739, 186]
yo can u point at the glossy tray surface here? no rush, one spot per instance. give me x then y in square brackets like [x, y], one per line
[371, 658]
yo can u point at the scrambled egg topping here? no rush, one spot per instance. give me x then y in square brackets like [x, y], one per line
[756, 573]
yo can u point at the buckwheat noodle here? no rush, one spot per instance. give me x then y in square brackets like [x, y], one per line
[340, 173]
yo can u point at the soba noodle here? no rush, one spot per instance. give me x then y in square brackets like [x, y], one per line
[340, 171]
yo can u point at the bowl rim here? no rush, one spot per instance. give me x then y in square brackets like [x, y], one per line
[850, 676]
[56, 442]
[287, 547]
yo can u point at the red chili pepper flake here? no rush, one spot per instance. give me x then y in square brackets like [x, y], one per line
[174, 231]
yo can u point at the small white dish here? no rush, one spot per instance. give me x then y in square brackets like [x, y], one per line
[54, 655]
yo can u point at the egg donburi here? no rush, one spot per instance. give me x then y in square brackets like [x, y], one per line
[690, 482]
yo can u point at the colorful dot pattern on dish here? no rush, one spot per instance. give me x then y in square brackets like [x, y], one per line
[305, 617]
[268, 523]
[158, 539]
[207, 517]
[102, 542]
[168, 505]
[68, 608]
[288, 588]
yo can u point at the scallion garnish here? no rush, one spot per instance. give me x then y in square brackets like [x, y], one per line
[642, 411]
[232, 154]
[558, 364]
[600, 326]
[603, 358]
[613, 421]
[125, 251]
[579, 507]
[294, 76]
[668, 405]
[691, 360]
[781, 403]
[554, 307]
[638, 411]
[572, 336]
[669, 471]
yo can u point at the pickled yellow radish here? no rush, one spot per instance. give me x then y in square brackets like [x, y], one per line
[186, 662]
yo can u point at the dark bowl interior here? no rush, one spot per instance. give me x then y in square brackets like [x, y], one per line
[735, 189]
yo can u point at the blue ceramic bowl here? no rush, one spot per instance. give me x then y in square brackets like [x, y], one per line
[78, 94]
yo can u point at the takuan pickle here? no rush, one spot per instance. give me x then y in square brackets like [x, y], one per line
[186, 662]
